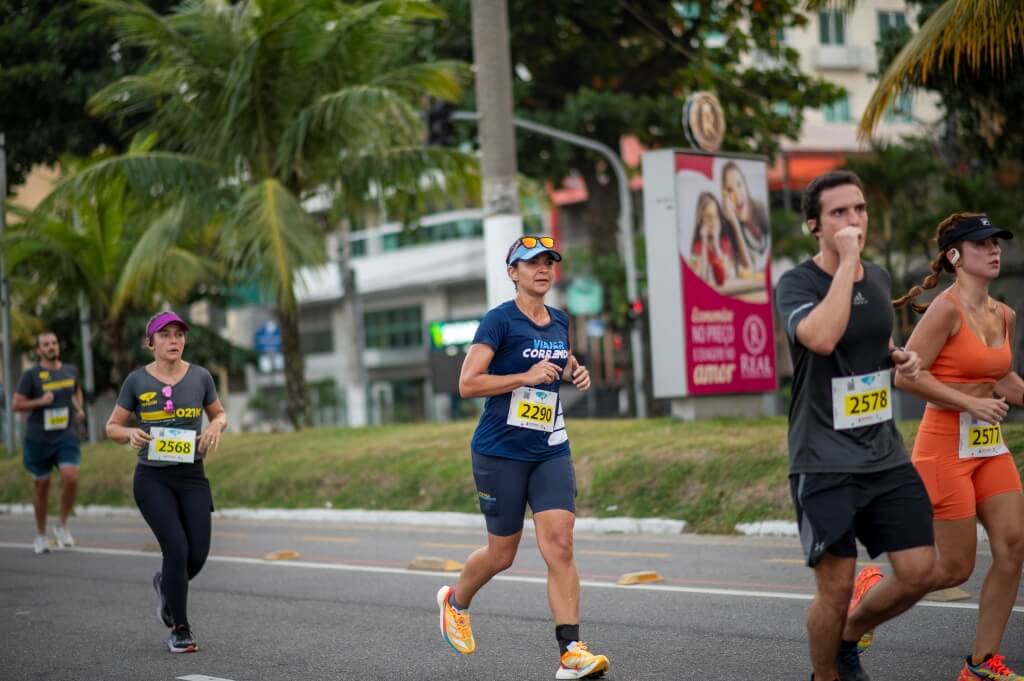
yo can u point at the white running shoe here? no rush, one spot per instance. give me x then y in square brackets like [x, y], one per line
[41, 544]
[64, 538]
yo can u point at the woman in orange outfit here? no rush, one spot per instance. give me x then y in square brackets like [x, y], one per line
[965, 341]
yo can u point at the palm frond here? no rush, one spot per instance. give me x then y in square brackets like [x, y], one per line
[149, 175]
[836, 5]
[268, 232]
[162, 262]
[984, 35]
[441, 79]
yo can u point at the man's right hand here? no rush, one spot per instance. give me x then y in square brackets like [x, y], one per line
[542, 372]
[46, 399]
[849, 243]
[988, 409]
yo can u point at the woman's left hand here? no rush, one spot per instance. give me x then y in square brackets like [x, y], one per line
[581, 377]
[210, 439]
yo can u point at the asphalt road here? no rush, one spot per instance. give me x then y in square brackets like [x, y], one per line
[348, 608]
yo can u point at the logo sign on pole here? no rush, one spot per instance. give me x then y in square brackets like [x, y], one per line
[704, 121]
[267, 338]
[585, 296]
[709, 273]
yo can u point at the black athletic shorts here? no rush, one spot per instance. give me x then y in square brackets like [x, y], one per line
[887, 511]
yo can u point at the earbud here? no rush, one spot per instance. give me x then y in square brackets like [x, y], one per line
[954, 256]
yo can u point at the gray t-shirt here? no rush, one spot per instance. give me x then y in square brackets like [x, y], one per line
[60, 414]
[814, 445]
[142, 395]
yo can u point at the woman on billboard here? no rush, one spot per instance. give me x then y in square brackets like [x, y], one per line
[747, 218]
[713, 252]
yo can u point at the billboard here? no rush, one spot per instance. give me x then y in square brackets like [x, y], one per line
[709, 273]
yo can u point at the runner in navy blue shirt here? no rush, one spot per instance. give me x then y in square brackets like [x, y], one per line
[518, 360]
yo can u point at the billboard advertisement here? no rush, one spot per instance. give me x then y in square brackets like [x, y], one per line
[709, 273]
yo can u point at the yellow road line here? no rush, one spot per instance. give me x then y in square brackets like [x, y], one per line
[338, 540]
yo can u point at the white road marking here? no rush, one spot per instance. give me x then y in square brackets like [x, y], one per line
[201, 677]
[372, 569]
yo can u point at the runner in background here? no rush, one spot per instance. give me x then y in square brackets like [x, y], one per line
[51, 394]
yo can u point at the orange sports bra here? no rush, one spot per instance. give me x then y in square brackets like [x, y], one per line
[965, 358]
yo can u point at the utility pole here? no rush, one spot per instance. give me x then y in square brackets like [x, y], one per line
[625, 234]
[502, 222]
[5, 303]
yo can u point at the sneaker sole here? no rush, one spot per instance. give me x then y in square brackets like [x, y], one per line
[187, 649]
[596, 671]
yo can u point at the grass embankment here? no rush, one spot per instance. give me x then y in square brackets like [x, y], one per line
[711, 474]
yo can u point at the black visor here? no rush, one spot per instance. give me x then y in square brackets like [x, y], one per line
[973, 229]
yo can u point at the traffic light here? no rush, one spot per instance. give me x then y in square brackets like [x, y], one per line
[440, 131]
[636, 309]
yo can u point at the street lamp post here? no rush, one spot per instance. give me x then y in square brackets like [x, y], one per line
[625, 234]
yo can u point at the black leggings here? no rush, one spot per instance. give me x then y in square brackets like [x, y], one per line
[176, 503]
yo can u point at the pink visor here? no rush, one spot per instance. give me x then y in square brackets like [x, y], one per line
[162, 320]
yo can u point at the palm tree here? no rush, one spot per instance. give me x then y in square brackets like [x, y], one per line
[261, 103]
[982, 34]
[106, 248]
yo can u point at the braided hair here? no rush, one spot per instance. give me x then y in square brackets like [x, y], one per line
[939, 264]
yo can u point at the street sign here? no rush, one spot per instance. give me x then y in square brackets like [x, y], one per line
[268, 338]
[595, 328]
[585, 296]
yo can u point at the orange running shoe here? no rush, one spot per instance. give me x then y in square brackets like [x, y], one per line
[866, 579]
[993, 668]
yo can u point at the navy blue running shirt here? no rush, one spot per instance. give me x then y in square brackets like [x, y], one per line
[518, 344]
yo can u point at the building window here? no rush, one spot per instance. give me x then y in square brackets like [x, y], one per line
[890, 21]
[901, 110]
[832, 28]
[395, 328]
[316, 342]
[838, 111]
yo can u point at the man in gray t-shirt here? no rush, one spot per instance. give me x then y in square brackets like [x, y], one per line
[850, 476]
[51, 395]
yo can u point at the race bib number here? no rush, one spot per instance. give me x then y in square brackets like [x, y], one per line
[56, 419]
[532, 408]
[172, 444]
[980, 438]
[861, 400]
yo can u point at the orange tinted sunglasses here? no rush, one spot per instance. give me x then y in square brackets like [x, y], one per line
[532, 241]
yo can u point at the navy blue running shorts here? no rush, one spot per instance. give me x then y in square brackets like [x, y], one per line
[505, 486]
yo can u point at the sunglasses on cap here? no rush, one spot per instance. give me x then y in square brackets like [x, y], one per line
[532, 241]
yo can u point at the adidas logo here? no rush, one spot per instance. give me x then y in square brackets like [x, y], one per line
[859, 299]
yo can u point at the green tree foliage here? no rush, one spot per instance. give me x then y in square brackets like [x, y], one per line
[53, 56]
[111, 248]
[606, 68]
[260, 104]
[981, 100]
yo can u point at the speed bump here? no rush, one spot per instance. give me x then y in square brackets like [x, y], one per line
[642, 577]
[286, 554]
[946, 595]
[434, 564]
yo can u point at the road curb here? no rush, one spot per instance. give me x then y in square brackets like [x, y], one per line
[620, 525]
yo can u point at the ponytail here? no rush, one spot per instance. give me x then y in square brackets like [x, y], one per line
[931, 281]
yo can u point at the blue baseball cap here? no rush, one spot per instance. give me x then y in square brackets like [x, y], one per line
[520, 250]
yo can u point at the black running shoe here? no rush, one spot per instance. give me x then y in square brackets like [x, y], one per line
[162, 611]
[848, 662]
[182, 641]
